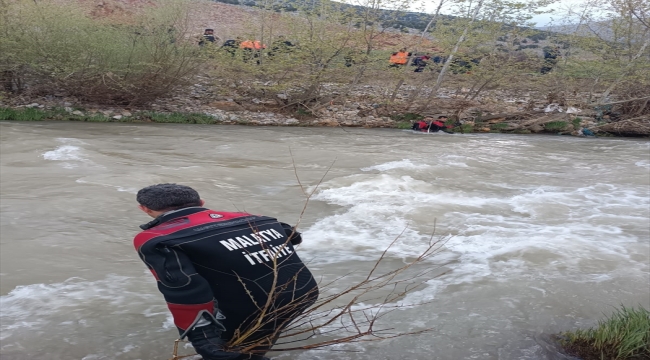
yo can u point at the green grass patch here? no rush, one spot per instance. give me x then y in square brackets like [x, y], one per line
[466, 128]
[35, 114]
[25, 114]
[59, 114]
[404, 125]
[176, 118]
[576, 123]
[556, 125]
[624, 335]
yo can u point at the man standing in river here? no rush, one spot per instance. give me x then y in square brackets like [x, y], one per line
[220, 271]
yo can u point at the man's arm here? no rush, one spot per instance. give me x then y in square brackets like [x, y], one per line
[189, 299]
[294, 236]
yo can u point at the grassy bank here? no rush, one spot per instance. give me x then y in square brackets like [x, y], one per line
[622, 336]
[402, 121]
[35, 114]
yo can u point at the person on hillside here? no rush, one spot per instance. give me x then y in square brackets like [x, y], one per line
[231, 46]
[208, 37]
[281, 46]
[463, 66]
[439, 59]
[550, 59]
[400, 58]
[252, 49]
[220, 271]
[421, 62]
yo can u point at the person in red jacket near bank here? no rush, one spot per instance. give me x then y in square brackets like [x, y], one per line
[219, 271]
[432, 125]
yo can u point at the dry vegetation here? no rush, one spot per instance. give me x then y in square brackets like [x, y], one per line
[133, 52]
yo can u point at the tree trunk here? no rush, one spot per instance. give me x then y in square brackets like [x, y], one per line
[445, 67]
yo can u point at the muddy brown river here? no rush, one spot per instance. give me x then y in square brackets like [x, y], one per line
[548, 233]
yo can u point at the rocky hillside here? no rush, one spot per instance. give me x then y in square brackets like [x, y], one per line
[228, 20]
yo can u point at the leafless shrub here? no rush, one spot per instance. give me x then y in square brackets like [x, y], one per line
[129, 61]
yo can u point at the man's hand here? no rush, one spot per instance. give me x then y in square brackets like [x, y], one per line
[207, 343]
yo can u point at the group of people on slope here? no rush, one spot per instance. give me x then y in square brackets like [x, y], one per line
[251, 48]
[429, 125]
[402, 57]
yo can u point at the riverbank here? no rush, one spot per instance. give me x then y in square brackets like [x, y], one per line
[363, 106]
[623, 335]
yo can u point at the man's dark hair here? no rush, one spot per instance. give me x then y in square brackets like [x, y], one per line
[442, 116]
[166, 197]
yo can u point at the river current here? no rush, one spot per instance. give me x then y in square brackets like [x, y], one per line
[547, 233]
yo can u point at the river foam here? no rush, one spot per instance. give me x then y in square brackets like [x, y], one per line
[70, 154]
[81, 309]
[555, 229]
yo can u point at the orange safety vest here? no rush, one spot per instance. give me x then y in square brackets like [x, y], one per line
[399, 58]
[253, 45]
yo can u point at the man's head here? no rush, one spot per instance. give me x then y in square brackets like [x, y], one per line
[442, 118]
[208, 31]
[158, 199]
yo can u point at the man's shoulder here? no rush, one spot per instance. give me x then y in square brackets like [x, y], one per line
[204, 220]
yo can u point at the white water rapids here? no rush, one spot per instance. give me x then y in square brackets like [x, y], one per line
[549, 233]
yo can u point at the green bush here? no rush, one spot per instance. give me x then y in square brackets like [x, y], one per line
[576, 122]
[131, 62]
[404, 125]
[624, 335]
[556, 125]
[27, 114]
[467, 128]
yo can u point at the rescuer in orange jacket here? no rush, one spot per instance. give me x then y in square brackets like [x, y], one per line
[252, 49]
[252, 45]
[399, 58]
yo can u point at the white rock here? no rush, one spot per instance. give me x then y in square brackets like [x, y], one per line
[68, 109]
[291, 121]
[32, 105]
[78, 113]
[573, 110]
[117, 117]
[126, 113]
[553, 107]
